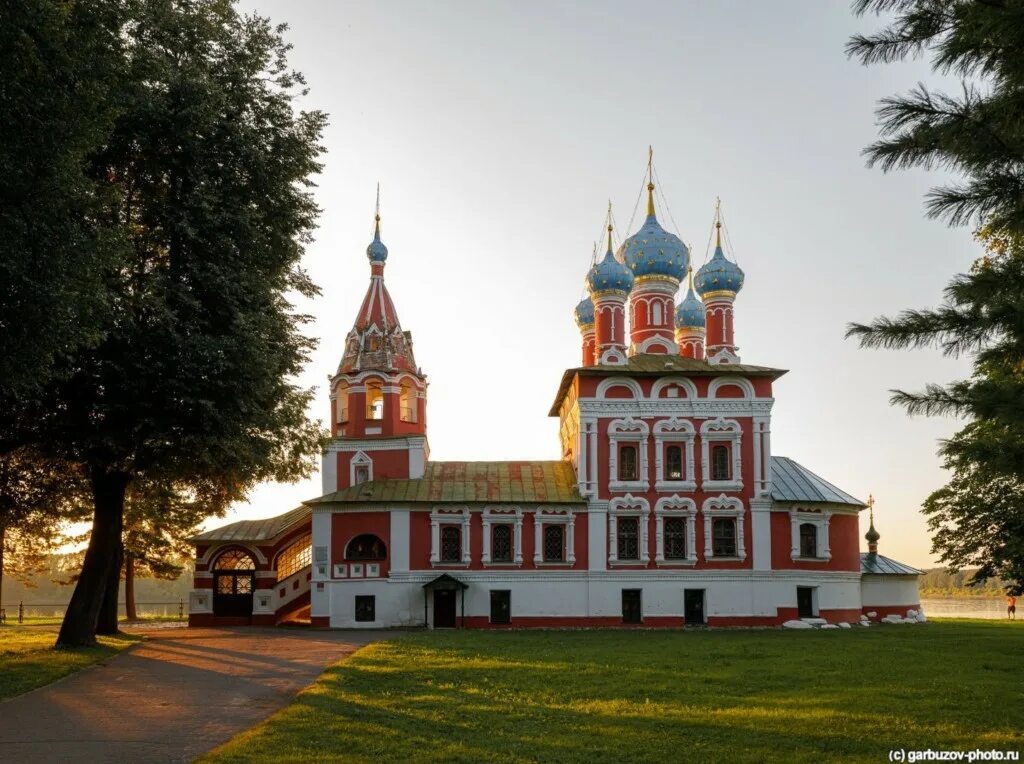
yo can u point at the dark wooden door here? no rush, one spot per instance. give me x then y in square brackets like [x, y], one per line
[232, 593]
[444, 608]
[501, 606]
[631, 609]
[805, 601]
[693, 607]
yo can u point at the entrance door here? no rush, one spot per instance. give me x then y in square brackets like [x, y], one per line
[444, 608]
[631, 608]
[805, 601]
[693, 607]
[232, 593]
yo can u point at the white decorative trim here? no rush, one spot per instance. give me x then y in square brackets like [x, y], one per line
[629, 430]
[723, 356]
[613, 357]
[674, 506]
[552, 516]
[702, 408]
[672, 430]
[496, 516]
[214, 551]
[663, 339]
[663, 382]
[742, 383]
[719, 507]
[820, 520]
[628, 506]
[351, 445]
[360, 460]
[608, 382]
[717, 430]
[448, 516]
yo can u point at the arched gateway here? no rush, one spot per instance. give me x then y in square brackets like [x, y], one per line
[234, 579]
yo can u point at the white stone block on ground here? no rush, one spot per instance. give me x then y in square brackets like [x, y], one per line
[814, 621]
[872, 614]
[844, 625]
[922, 618]
[892, 619]
[830, 626]
[911, 613]
[797, 625]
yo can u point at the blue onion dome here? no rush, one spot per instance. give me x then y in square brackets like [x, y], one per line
[653, 251]
[584, 312]
[377, 252]
[690, 313]
[609, 275]
[719, 274]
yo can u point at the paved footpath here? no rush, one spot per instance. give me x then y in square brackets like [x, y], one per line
[178, 694]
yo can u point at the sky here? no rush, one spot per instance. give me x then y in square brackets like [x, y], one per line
[499, 132]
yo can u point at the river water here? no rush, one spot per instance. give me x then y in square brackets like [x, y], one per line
[967, 607]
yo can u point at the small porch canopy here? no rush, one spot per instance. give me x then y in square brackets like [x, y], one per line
[445, 583]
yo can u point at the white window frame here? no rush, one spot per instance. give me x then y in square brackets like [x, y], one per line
[628, 506]
[502, 516]
[675, 506]
[721, 431]
[626, 431]
[718, 507]
[553, 516]
[820, 520]
[667, 432]
[360, 459]
[448, 516]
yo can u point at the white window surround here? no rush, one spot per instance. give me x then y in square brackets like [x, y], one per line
[723, 506]
[721, 430]
[674, 430]
[820, 520]
[494, 516]
[628, 506]
[624, 431]
[675, 506]
[445, 516]
[360, 459]
[544, 517]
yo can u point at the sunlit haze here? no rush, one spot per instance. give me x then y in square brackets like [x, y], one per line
[500, 130]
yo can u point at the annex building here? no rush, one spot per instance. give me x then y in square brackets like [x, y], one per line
[666, 508]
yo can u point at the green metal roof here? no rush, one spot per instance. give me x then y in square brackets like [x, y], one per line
[542, 482]
[256, 530]
[658, 365]
[794, 482]
[876, 564]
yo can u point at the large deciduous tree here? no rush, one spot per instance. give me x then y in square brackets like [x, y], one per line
[978, 518]
[209, 163]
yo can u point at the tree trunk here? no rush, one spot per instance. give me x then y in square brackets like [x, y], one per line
[3, 535]
[129, 588]
[106, 621]
[80, 619]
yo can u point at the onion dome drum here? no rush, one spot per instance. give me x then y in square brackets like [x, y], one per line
[376, 251]
[609, 275]
[718, 274]
[584, 312]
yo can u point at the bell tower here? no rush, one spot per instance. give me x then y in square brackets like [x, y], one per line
[378, 393]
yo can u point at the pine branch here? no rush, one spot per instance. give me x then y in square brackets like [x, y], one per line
[936, 400]
[953, 331]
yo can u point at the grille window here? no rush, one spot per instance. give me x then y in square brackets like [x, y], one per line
[719, 462]
[627, 463]
[723, 533]
[628, 538]
[296, 557]
[501, 543]
[675, 538]
[451, 544]
[674, 462]
[808, 540]
[554, 543]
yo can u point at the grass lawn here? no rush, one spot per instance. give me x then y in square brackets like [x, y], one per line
[29, 660]
[737, 696]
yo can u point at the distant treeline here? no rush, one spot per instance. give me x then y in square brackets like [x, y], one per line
[54, 585]
[938, 582]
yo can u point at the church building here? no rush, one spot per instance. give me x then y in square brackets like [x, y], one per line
[666, 507]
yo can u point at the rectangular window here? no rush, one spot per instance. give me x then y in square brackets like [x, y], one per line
[554, 543]
[451, 544]
[723, 537]
[720, 462]
[501, 543]
[501, 606]
[362, 475]
[631, 606]
[628, 538]
[674, 463]
[627, 463]
[366, 608]
[675, 538]
[808, 540]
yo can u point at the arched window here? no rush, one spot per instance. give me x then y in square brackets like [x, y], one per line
[295, 557]
[234, 559]
[675, 538]
[723, 536]
[407, 400]
[501, 543]
[674, 463]
[657, 316]
[366, 547]
[808, 540]
[627, 463]
[341, 403]
[371, 343]
[629, 538]
[554, 543]
[451, 544]
[720, 462]
[374, 401]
